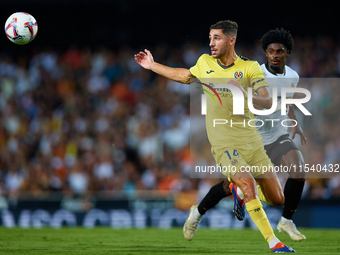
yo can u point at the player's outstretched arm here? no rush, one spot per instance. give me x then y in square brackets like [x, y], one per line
[145, 59]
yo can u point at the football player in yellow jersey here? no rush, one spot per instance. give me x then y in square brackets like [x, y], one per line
[247, 74]
[227, 150]
[278, 44]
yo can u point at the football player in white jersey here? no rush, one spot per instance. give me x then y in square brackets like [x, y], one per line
[277, 44]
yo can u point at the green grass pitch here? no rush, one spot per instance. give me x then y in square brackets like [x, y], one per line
[156, 241]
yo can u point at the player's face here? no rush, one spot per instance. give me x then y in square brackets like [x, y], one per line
[219, 43]
[276, 54]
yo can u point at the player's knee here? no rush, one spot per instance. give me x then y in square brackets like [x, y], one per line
[248, 188]
[278, 200]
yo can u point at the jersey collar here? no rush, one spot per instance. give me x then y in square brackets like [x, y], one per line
[226, 67]
[283, 74]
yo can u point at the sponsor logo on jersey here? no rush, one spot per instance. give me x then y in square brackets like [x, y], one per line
[209, 72]
[209, 93]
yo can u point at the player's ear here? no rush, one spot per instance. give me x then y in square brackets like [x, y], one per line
[232, 40]
[288, 53]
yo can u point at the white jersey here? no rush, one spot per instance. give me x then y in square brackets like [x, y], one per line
[272, 127]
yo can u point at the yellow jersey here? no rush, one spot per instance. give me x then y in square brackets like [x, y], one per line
[236, 129]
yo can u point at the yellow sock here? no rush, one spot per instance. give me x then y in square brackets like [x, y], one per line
[258, 215]
[261, 195]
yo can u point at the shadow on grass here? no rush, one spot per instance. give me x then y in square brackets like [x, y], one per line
[149, 249]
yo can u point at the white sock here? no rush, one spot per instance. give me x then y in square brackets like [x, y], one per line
[197, 215]
[273, 242]
[239, 193]
[285, 221]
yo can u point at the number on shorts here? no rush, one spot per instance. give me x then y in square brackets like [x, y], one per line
[235, 153]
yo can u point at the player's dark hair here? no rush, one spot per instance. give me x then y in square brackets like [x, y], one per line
[228, 27]
[278, 35]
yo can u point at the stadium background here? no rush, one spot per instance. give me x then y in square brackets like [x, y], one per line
[89, 138]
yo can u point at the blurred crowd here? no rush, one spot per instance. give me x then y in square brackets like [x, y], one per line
[92, 121]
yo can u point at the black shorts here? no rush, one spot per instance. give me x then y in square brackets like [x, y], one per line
[280, 147]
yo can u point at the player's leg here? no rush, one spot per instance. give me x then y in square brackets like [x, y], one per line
[270, 191]
[215, 194]
[247, 184]
[269, 187]
[259, 165]
[229, 160]
[213, 197]
[295, 183]
[292, 191]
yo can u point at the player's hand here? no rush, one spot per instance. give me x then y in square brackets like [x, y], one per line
[237, 84]
[297, 130]
[145, 59]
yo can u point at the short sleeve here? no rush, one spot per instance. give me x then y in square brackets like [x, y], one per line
[195, 70]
